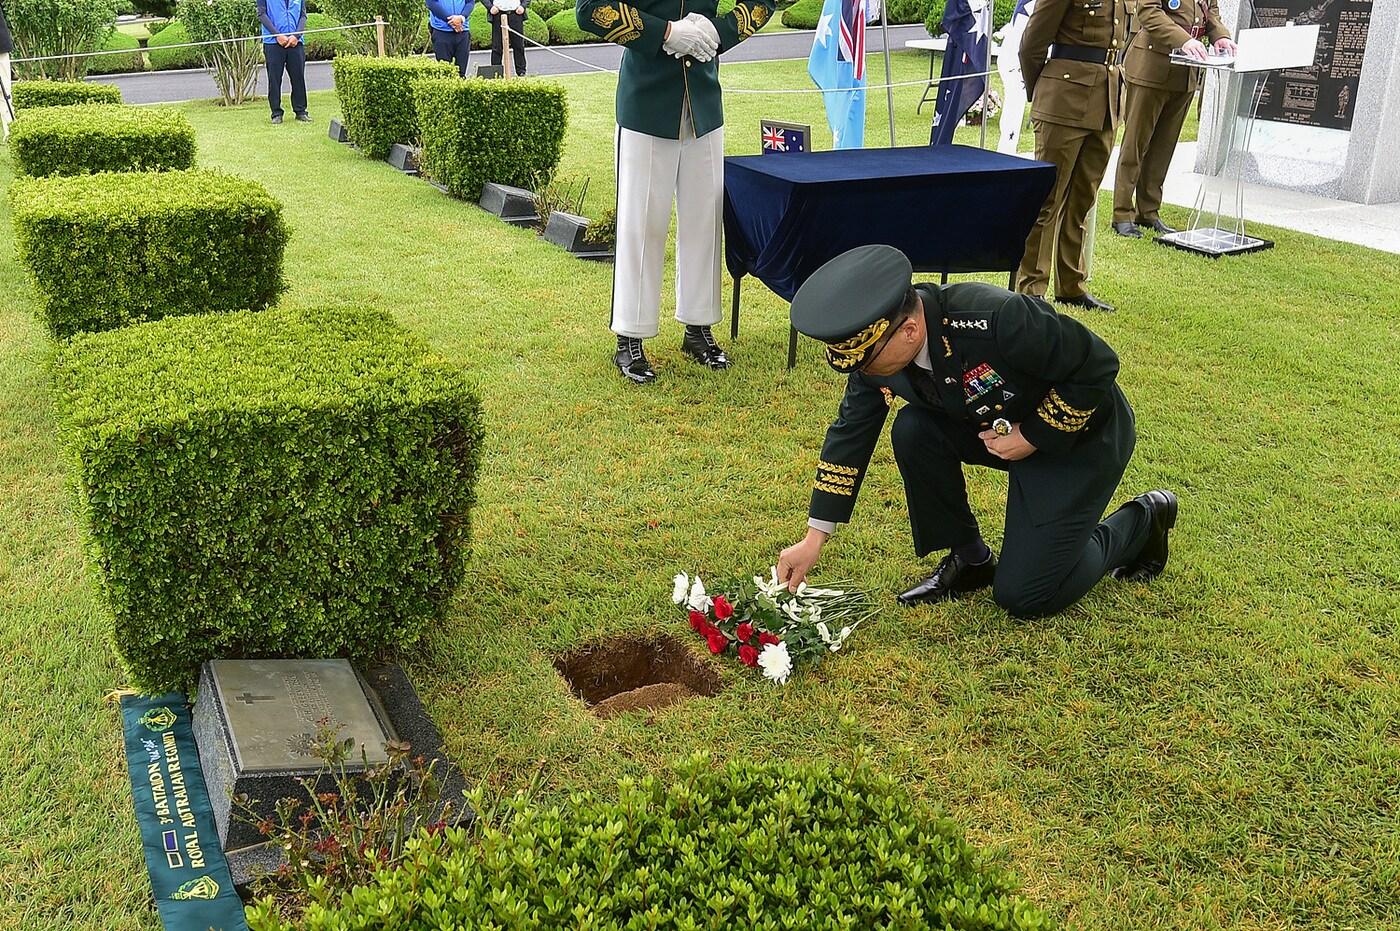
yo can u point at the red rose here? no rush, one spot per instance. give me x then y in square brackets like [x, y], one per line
[698, 621]
[723, 609]
[717, 642]
[768, 639]
[748, 655]
[744, 632]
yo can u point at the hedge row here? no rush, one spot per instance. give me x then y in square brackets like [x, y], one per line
[376, 98]
[107, 250]
[283, 483]
[117, 64]
[933, 21]
[86, 138]
[804, 13]
[320, 46]
[475, 131]
[30, 95]
[769, 847]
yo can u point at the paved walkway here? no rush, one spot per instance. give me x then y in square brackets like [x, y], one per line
[173, 86]
[1373, 225]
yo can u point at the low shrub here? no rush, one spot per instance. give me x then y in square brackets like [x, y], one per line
[907, 12]
[1001, 15]
[234, 65]
[30, 95]
[376, 99]
[87, 138]
[546, 9]
[107, 250]
[803, 14]
[747, 845]
[564, 29]
[480, 27]
[163, 58]
[282, 483]
[475, 131]
[323, 46]
[118, 64]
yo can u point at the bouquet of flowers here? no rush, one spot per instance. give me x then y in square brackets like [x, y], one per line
[769, 627]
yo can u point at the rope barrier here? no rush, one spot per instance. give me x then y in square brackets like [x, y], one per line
[137, 51]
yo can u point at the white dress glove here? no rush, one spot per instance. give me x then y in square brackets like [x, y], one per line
[685, 38]
[707, 26]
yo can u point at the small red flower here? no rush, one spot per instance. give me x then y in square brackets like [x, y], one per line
[698, 622]
[744, 632]
[717, 642]
[768, 639]
[748, 655]
[723, 609]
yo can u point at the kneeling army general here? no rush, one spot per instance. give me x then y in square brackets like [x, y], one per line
[991, 378]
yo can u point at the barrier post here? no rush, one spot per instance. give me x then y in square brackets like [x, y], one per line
[507, 40]
[379, 34]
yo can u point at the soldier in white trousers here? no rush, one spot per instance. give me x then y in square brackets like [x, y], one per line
[670, 149]
[7, 102]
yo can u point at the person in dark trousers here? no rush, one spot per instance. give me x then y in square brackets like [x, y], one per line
[514, 11]
[283, 22]
[7, 104]
[451, 40]
[990, 378]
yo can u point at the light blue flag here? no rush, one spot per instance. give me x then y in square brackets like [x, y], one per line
[837, 63]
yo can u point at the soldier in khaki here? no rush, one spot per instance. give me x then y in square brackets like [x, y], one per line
[1159, 95]
[1070, 55]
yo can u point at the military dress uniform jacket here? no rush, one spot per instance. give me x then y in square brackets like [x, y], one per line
[996, 355]
[1064, 90]
[1161, 30]
[654, 89]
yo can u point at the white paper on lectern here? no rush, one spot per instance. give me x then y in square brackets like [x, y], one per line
[1276, 47]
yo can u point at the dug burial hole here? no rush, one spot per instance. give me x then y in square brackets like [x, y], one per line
[623, 674]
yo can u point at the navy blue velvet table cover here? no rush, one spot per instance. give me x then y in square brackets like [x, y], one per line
[950, 208]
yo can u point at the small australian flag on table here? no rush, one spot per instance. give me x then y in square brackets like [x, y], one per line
[784, 137]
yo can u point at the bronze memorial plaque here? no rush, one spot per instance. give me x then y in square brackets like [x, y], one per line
[1324, 94]
[272, 707]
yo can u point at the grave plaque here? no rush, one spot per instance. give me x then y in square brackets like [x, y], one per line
[1325, 94]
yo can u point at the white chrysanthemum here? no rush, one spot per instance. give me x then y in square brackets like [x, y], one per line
[776, 663]
[698, 600]
[682, 586]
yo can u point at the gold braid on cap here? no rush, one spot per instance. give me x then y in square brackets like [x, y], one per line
[848, 353]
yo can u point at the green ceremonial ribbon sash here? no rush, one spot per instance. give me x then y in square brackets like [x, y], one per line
[191, 882]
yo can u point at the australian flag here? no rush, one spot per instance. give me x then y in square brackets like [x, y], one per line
[966, 22]
[837, 64]
[779, 138]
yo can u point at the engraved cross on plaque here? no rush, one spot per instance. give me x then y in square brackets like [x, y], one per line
[249, 698]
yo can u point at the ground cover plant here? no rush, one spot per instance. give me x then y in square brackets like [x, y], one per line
[1213, 751]
[108, 250]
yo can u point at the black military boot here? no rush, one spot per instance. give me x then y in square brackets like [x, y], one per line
[1155, 224]
[1152, 558]
[700, 345]
[632, 362]
[1127, 229]
[953, 578]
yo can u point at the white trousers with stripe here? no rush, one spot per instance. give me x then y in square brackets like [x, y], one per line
[6, 95]
[651, 174]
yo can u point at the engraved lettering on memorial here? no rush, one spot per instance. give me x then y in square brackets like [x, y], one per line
[308, 697]
[1325, 94]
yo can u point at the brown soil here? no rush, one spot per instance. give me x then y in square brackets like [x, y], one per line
[632, 673]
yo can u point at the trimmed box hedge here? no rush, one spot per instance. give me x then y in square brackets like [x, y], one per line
[376, 99]
[88, 138]
[284, 483]
[754, 846]
[118, 64]
[166, 59]
[30, 95]
[475, 131]
[112, 249]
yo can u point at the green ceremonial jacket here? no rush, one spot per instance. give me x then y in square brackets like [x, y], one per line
[653, 87]
[995, 354]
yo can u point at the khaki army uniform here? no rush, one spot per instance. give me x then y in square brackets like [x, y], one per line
[1070, 53]
[1159, 96]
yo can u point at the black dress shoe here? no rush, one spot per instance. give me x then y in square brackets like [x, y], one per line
[1127, 229]
[633, 364]
[1152, 559]
[1156, 225]
[700, 345]
[952, 579]
[303, 117]
[277, 120]
[1088, 302]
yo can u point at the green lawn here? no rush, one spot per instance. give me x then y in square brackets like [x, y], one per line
[1218, 750]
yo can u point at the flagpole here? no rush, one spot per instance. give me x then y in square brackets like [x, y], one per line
[986, 66]
[889, 82]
